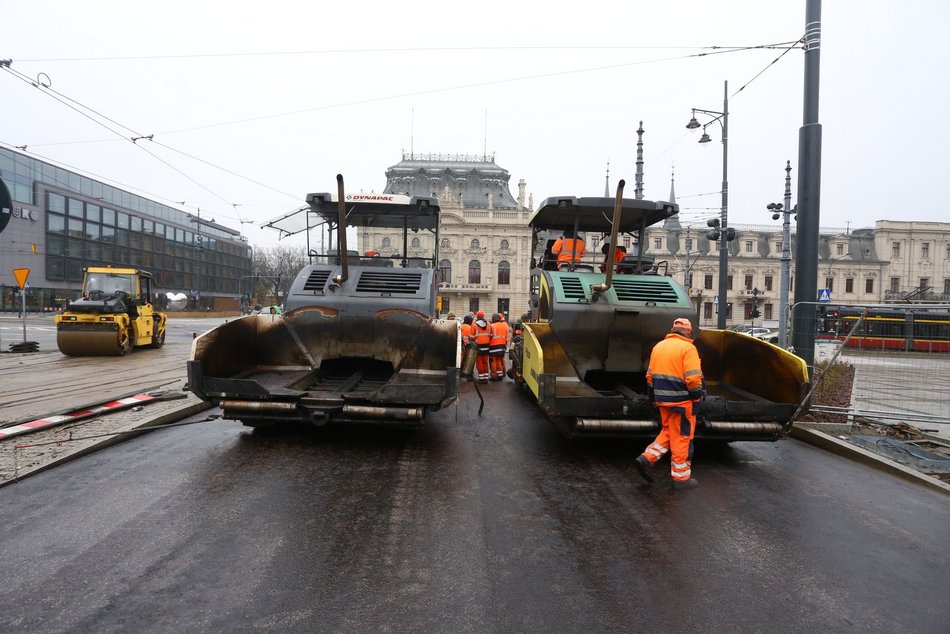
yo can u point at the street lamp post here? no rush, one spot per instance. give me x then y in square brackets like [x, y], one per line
[721, 229]
[786, 211]
[198, 248]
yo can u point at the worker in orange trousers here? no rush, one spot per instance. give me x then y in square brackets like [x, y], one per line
[675, 378]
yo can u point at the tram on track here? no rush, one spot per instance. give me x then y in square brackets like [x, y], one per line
[889, 328]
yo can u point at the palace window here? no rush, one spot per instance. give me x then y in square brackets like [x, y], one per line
[504, 273]
[445, 271]
[474, 271]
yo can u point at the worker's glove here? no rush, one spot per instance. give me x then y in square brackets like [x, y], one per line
[697, 395]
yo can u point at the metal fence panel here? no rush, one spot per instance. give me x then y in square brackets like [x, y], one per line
[900, 353]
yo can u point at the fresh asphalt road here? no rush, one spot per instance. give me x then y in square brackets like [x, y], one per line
[472, 524]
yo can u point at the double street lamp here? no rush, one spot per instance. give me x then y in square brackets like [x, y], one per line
[721, 230]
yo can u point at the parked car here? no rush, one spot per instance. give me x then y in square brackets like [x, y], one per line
[771, 336]
[752, 331]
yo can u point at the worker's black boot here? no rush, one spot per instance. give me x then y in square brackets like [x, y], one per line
[644, 467]
[692, 483]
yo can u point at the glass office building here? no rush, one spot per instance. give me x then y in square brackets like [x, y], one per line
[62, 221]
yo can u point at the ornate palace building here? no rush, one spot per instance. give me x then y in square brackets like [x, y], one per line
[485, 242]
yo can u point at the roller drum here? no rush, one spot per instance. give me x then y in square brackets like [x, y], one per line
[92, 341]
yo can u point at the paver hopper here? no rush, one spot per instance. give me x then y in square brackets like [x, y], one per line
[357, 340]
[586, 348]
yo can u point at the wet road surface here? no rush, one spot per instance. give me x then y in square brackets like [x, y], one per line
[473, 524]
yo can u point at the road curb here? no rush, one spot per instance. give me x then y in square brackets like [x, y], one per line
[119, 435]
[847, 450]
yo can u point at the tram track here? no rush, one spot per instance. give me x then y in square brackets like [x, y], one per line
[42, 384]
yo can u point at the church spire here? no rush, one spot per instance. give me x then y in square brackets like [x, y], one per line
[673, 222]
[607, 181]
[672, 184]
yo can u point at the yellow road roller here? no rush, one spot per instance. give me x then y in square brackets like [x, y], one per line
[113, 316]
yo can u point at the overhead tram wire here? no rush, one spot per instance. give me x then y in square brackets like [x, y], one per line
[82, 108]
[715, 50]
[493, 82]
[108, 180]
[788, 46]
[422, 49]
[791, 46]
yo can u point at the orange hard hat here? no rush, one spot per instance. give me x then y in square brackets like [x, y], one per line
[480, 314]
[682, 322]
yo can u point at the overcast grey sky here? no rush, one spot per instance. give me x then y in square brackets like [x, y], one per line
[288, 94]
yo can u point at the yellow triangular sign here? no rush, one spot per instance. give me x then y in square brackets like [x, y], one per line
[21, 275]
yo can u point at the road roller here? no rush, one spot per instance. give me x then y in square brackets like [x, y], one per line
[594, 321]
[358, 339]
[114, 315]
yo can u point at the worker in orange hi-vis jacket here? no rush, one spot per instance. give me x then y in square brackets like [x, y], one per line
[675, 378]
[498, 347]
[568, 249]
[620, 253]
[466, 328]
[482, 333]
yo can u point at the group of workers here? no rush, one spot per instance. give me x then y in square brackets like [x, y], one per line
[492, 338]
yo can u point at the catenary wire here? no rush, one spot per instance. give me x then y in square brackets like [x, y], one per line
[434, 49]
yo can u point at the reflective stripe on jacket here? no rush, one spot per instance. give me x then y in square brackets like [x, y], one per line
[482, 332]
[674, 370]
[499, 339]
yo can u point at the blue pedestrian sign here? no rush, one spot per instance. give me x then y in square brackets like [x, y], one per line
[824, 295]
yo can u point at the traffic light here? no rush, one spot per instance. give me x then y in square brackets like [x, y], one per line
[756, 313]
[33, 248]
[713, 234]
[730, 234]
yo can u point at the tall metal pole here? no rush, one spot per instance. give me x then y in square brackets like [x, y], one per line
[687, 277]
[786, 259]
[809, 194]
[638, 189]
[723, 242]
[198, 272]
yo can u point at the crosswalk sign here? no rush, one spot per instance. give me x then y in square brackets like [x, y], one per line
[824, 295]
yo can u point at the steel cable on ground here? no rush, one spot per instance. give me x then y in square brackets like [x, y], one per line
[140, 430]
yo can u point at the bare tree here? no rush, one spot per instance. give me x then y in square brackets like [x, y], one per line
[273, 271]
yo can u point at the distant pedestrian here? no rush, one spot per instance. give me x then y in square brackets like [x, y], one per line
[675, 378]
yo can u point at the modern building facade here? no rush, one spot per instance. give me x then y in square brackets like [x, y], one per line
[485, 242]
[63, 221]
